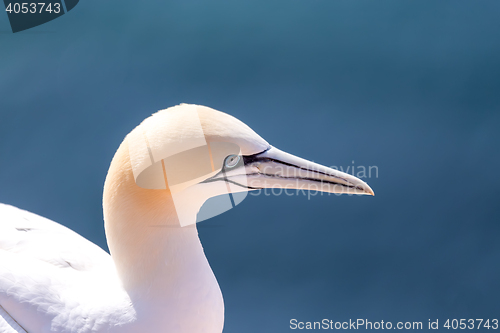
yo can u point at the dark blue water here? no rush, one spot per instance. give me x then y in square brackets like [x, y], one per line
[411, 87]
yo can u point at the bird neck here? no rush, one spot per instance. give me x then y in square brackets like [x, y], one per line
[155, 257]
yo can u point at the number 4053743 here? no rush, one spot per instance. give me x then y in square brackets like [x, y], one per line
[471, 324]
[33, 8]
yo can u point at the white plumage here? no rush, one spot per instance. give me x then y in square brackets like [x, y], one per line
[51, 277]
[157, 278]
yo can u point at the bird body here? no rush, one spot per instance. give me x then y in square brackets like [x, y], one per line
[52, 279]
[157, 278]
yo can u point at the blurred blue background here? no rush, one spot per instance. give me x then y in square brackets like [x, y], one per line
[412, 87]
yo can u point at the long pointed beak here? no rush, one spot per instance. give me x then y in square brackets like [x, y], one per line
[274, 168]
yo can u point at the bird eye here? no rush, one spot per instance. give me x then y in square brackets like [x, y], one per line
[232, 160]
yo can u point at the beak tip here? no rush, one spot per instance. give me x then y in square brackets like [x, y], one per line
[364, 189]
[370, 191]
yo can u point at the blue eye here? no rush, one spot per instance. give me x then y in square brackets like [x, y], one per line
[232, 160]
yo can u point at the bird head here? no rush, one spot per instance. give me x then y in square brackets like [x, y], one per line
[197, 153]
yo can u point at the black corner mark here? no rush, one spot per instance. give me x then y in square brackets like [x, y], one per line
[70, 4]
[31, 13]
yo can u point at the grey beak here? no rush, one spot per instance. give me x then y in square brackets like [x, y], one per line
[277, 169]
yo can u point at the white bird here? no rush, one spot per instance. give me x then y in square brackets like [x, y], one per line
[157, 278]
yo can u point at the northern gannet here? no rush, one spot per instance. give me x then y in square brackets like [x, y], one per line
[157, 278]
